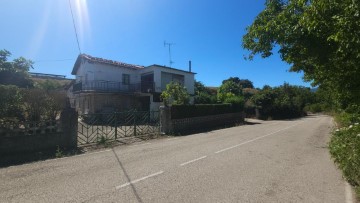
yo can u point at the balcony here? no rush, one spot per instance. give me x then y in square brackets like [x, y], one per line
[114, 87]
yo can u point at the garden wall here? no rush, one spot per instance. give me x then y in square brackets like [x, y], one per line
[183, 125]
[33, 137]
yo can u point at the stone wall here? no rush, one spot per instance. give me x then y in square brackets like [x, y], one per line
[46, 136]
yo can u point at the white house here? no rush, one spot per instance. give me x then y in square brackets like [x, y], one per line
[103, 85]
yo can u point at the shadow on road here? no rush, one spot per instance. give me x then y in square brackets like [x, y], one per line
[127, 176]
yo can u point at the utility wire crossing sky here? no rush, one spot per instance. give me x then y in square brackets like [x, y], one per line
[209, 33]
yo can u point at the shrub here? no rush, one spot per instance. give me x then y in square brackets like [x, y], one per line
[42, 105]
[228, 89]
[315, 108]
[349, 116]
[237, 102]
[175, 93]
[345, 144]
[345, 149]
[10, 102]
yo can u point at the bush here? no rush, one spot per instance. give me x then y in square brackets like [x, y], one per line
[315, 108]
[345, 149]
[42, 105]
[284, 102]
[349, 116]
[176, 94]
[11, 102]
[189, 111]
[237, 102]
[345, 144]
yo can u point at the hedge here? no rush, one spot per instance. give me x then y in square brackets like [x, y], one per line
[197, 110]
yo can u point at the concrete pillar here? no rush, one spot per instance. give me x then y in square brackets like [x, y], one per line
[165, 120]
[69, 125]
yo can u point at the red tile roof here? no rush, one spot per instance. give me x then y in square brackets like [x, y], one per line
[103, 61]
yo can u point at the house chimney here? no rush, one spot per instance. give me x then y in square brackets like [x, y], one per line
[190, 66]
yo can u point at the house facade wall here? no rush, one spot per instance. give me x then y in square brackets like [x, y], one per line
[189, 80]
[89, 71]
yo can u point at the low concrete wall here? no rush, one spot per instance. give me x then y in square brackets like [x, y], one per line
[168, 125]
[65, 136]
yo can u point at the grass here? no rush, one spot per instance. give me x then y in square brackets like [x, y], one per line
[345, 147]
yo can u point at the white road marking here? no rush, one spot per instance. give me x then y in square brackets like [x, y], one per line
[348, 193]
[252, 140]
[191, 161]
[169, 139]
[138, 180]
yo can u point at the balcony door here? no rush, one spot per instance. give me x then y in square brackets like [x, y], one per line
[147, 82]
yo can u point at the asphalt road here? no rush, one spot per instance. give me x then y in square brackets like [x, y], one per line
[271, 161]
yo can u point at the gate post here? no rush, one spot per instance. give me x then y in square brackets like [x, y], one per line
[165, 120]
[69, 123]
[135, 123]
[115, 125]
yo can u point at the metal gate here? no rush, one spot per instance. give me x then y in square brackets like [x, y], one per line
[93, 128]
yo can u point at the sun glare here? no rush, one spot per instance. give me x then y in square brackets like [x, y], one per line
[82, 19]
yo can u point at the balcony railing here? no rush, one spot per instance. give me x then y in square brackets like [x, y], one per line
[111, 86]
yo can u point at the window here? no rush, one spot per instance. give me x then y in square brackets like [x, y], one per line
[125, 79]
[166, 78]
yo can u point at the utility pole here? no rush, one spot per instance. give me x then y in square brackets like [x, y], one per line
[169, 45]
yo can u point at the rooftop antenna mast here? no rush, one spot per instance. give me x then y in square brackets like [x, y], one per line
[169, 45]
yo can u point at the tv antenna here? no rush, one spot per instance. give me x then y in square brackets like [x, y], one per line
[169, 45]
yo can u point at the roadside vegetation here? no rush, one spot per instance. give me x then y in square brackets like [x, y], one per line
[319, 39]
[25, 99]
[345, 145]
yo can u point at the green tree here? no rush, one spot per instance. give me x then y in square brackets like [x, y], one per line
[175, 93]
[204, 95]
[319, 38]
[285, 101]
[228, 89]
[245, 83]
[16, 71]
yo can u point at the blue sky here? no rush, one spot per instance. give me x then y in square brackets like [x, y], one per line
[207, 32]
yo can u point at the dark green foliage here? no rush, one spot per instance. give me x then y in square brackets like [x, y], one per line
[282, 102]
[237, 103]
[15, 72]
[345, 144]
[228, 89]
[189, 111]
[204, 98]
[29, 104]
[244, 83]
[345, 149]
[204, 95]
[11, 101]
[19, 100]
[319, 38]
[175, 93]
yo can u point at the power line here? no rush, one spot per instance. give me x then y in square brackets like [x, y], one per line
[76, 35]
